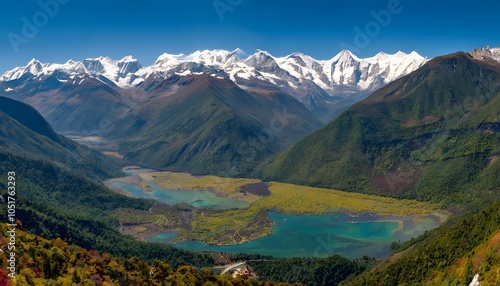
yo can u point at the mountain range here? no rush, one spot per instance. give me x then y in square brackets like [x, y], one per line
[203, 111]
[434, 129]
[211, 125]
[430, 135]
[171, 113]
[326, 87]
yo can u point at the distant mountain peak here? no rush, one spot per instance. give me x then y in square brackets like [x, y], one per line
[239, 53]
[295, 54]
[165, 58]
[345, 56]
[296, 73]
[33, 61]
[262, 52]
[128, 58]
[486, 52]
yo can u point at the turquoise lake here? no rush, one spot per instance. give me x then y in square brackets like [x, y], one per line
[198, 199]
[293, 235]
[320, 236]
[133, 190]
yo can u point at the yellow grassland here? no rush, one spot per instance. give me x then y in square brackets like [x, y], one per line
[289, 198]
[227, 187]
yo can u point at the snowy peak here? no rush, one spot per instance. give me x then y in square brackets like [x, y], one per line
[373, 72]
[128, 58]
[296, 72]
[210, 58]
[34, 67]
[302, 60]
[345, 56]
[239, 53]
[486, 52]
[128, 65]
[114, 70]
[118, 72]
[168, 60]
[219, 58]
[262, 61]
[94, 66]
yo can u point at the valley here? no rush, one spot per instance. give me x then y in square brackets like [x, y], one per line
[239, 169]
[250, 216]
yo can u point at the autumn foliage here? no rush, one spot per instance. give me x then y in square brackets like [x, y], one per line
[55, 262]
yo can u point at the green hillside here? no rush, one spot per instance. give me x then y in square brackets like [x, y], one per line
[56, 203]
[210, 125]
[450, 255]
[432, 135]
[55, 262]
[23, 131]
[56, 198]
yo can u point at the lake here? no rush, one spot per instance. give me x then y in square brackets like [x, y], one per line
[321, 236]
[293, 235]
[195, 198]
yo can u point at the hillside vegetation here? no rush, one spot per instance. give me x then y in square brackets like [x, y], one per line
[432, 136]
[449, 255]
[55, 262]
[24, 132]
[54, 202]
[207, 125]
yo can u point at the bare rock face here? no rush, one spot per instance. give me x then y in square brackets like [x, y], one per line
[486, 53]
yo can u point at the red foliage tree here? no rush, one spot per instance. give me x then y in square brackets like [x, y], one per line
[4, 279]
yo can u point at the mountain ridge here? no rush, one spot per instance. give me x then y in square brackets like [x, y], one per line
[24, 132]
[121, 69]
[439, 119]
[324, 86]
[209, 123]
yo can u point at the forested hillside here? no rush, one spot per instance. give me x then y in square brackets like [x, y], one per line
[24, 132]
[449, 255]
[55, 262]
[432, 135]
[54, 202]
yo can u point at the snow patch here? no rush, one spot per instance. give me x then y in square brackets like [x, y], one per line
[184, 73]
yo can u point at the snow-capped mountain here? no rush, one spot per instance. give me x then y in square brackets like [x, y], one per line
[487, 52]
[344, 69]
[327, 86]
[347, 70]
[121, 72]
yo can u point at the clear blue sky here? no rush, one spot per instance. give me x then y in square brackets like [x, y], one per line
[146, 28]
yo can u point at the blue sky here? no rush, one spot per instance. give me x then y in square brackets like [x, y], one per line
[79, 29]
